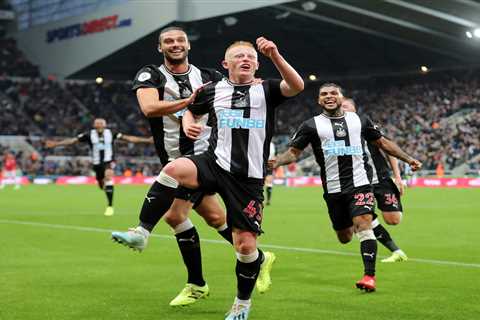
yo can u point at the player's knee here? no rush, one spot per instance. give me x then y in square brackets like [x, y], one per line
[215, 219]
[392, 218]
[245, 247]
[345, 236]
[173, 219]
[245, 242]
[108, 174]
[363, 222]
[181, 171]
[166, 178]
[170, 170]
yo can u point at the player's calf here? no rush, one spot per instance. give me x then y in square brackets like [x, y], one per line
[392, 217]
[345, 235]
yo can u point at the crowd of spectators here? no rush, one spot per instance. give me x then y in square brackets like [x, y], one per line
[435, 117]
[436, 120]
[13, 62]
[32, 165]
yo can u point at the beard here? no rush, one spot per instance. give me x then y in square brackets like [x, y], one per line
[176, 61]
[333, 112]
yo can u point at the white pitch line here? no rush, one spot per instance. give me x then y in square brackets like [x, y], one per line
[270, 246]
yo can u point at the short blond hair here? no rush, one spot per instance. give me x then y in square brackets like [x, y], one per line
[238, 44]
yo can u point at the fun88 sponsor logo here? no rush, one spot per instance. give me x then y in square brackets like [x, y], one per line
[234, 119]
[338, 148]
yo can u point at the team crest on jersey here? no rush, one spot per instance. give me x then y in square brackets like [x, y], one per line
[185, 93]
[241, 103]
[241, 100]
[340, 132]
[144, 76]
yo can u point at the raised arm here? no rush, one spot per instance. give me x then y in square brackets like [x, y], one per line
[292, 82]
[394, 150]
[291, 155]
[136, 139]
[65, 142]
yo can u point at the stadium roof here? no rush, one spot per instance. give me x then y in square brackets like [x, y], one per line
[328, 38]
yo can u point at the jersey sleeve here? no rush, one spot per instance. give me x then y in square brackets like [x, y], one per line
[211, 75]
[370, 131]
[83, 137]
[117, 135]
[303, 136]
[204, 101]
[148, 77]
[273, 93]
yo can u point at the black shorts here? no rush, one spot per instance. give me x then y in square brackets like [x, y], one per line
[197, 197]
[342, 207]
[100, 169]
[387, 196]
[243, 197]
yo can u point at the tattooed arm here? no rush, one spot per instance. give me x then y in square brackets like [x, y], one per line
[289, 156]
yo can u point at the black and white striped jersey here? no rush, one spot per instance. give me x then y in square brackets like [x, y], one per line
[101, 144]
[338, 144]
[168, 136]
[242, 124]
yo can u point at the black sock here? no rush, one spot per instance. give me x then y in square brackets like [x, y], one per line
[189, 244]
[227, 234]
[109, 193]
[384, 237]
[157, 202]
[269, 194]
[368, 249]
[247, 274]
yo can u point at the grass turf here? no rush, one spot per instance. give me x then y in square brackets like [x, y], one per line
[57, 260]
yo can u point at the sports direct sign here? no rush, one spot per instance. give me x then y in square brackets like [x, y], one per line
[87, 27]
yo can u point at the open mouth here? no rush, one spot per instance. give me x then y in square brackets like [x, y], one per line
[177, 51]
[245, 67]
[330, 102]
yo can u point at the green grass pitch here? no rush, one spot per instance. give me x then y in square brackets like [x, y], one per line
[57, 260]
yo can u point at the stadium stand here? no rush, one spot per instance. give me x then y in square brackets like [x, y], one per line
[13, 62]
[435, 118]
